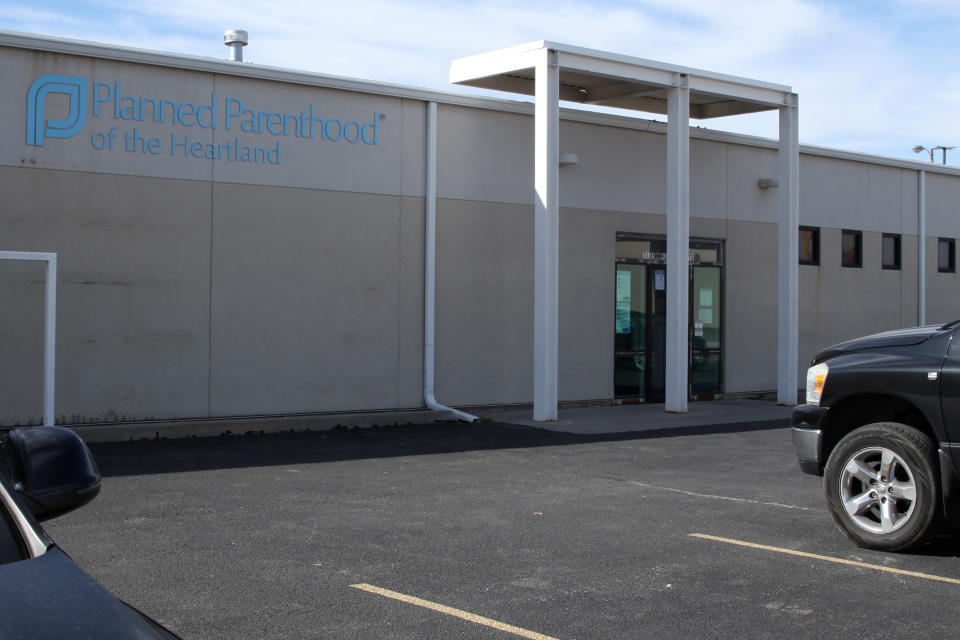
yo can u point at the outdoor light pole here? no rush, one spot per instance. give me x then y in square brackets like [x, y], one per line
[931, 150]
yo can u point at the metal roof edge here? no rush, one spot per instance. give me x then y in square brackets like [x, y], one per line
[855, 156]
[263, 72]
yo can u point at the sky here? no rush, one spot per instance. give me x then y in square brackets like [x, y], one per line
[877, 77]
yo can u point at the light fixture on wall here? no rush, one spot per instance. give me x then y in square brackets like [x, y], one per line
[567, 159]
[768, 183]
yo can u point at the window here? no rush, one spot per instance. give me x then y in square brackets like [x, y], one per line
[809, 245]
[851, 248]
[946, 255]
[890, 258]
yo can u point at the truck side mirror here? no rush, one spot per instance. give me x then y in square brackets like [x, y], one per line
[51, 469]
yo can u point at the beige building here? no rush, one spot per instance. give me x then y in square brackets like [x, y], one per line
[237, 240]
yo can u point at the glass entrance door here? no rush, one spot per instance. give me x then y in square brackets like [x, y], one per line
[657, 371]
[640, 336]
[630, 333]
[705, 332]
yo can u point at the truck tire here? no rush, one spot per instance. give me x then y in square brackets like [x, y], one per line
[882, 486]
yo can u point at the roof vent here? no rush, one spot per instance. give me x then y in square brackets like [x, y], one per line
[236, 39]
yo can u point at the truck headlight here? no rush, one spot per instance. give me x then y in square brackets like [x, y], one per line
[816, 378]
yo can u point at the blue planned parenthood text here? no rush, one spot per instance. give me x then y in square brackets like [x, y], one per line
[227, 113]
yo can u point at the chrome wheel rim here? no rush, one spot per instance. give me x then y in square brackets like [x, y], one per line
[877, 490]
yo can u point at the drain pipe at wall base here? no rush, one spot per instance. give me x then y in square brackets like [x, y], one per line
[430, 274]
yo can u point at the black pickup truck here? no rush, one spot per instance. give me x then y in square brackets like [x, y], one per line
[881, 423]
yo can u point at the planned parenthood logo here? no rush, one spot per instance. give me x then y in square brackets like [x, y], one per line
[39, 127]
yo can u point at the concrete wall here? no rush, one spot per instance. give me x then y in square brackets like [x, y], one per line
[21, 341]
[394, 165]
[198, 287]
[133, 293]
[750, 319]
[315, 301]
[186, 299]
[192, 286]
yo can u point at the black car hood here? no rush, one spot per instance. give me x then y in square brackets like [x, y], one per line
[895, 338]
[51, 598]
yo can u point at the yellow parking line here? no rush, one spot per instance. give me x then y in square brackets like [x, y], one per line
[450, 611]
[804, 554]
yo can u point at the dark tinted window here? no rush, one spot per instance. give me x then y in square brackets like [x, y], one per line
[891, 251]
[851, 248]
[946, 255]
[809, 245]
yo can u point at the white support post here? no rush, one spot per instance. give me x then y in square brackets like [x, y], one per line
[49, 326]
[788, 281]
[922, 247]
[678, 244]
[546, 236]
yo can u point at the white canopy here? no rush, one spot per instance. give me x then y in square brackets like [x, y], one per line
[551, 72]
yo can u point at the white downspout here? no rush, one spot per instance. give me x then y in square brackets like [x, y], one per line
[430, 275]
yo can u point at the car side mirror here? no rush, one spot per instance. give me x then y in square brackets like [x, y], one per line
[52, 470]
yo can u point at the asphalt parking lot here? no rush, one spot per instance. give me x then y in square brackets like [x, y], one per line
[495, 531]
